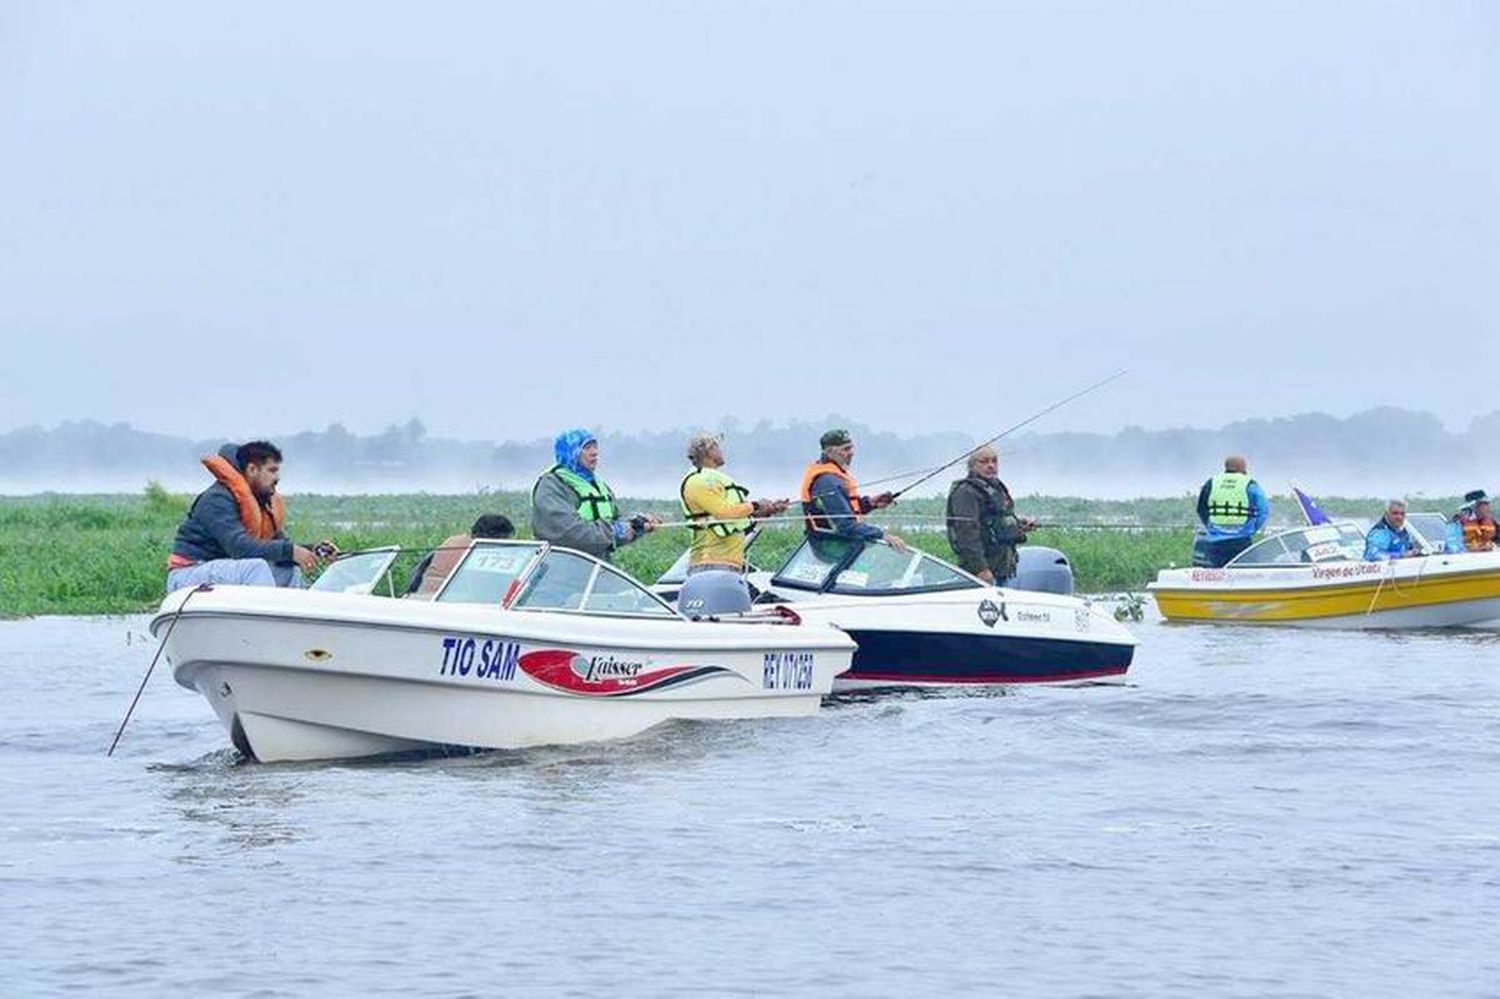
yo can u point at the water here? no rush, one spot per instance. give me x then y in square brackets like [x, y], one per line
[1258, 813]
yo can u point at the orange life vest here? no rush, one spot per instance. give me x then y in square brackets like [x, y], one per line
[444, 560]
[823, 525]
[261, 521]
[1479, 535]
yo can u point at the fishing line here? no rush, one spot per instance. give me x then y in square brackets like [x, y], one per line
[1010, 430]
[176, 616]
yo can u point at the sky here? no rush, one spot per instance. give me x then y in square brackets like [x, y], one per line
[504, 219]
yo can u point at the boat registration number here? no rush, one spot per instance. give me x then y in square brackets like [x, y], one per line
[788, 671]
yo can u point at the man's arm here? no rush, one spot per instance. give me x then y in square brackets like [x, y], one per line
[828, 498]
[1260, 507]
[1203, 501]
[554, 518]
[1377, 544]
[220, 516]
[966, 531]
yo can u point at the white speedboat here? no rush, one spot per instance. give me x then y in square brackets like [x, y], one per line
[921, 622]
[524, 645]
[1316, 577]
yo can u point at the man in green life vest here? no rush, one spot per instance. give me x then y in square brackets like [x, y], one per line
[1233, 508]
[720, 512]
[573, 508]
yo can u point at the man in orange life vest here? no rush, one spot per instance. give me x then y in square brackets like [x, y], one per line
[430, 574]
[234, 531]
[831, 501]
[1473, 527]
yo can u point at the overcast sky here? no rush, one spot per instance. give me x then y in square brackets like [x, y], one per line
[507, 218]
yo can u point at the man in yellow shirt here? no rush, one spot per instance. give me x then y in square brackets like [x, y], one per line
[721, 512]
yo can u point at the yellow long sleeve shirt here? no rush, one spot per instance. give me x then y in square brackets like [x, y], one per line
[701, 495]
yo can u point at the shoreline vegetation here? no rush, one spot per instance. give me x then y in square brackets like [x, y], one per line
[106, 554]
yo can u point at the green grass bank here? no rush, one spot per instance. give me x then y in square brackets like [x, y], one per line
[106, 554]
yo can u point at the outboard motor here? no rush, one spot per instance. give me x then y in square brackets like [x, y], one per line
[1045, 570]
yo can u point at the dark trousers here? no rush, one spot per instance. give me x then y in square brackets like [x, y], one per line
[1213, 553]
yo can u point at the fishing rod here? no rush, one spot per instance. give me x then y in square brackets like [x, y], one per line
[1010, 430]
[177, 616]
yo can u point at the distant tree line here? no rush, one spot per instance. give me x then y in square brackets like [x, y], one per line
[1374, 452]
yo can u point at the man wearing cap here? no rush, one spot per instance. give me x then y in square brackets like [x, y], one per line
[720, 512]
[574, 508]
[831, 503]
[1473, 528]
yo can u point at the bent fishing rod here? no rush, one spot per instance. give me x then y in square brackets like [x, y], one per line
[1003, 434]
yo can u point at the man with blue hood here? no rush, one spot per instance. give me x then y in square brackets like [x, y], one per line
[573, 508]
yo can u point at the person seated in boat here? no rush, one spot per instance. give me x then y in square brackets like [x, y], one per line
[831, 504]
[1390, 538]
[235, 530]
[720, 511]
[1473, 527]
[573, 508]
[1233, 508]
[429, 575]
[983, 528]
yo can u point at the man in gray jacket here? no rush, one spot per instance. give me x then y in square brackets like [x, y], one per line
[573, 508]
[234, 531]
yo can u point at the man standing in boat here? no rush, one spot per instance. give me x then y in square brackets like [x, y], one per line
[720, 511]
[983, 528]
[1233, 508]
[235, 530]
[831, 503]
[574, 508]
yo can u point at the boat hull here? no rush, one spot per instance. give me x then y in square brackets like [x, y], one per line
[971, 637]
[320, 678]
[1436, 591]
[926, 659]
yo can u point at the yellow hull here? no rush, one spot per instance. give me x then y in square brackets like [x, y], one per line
[1375, 595]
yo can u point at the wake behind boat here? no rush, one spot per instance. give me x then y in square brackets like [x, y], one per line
[524, 645]
[921, 622]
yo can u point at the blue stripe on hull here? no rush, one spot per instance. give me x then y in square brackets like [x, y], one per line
[926, 657]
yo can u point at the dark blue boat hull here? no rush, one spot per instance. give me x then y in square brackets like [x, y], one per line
[921, 657]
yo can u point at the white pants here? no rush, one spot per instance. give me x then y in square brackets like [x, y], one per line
[235, 572]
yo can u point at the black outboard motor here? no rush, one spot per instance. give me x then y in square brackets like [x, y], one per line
[1045, 570]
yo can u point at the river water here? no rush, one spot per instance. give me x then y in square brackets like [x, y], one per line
[1255, 813]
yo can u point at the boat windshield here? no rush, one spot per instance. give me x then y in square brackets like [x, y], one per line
[860, 568]
[1324, 543]
[487, 572]
[1433, 528]
[568, 581]
[813, 563]
[356, 573]
[882, 569]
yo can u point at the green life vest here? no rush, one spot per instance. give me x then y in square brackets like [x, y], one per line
[1229, 500]
[735, 493]
[594, 499]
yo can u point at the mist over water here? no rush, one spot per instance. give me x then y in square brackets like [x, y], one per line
[1257, 812]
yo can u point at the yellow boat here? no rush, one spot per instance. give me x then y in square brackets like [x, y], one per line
[1316, 577]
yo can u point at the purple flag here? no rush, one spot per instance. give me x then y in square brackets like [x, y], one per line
[1310, 511]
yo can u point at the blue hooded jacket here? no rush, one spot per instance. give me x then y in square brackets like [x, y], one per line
[567, 447]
